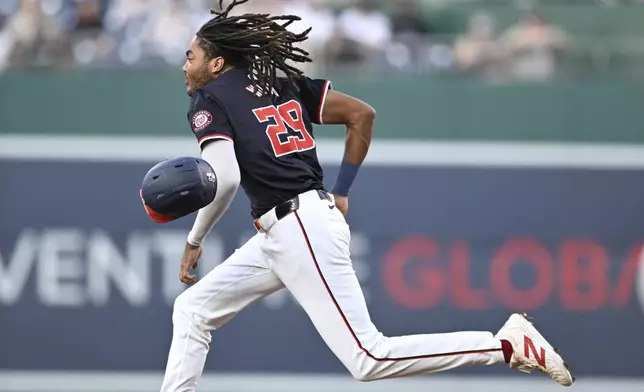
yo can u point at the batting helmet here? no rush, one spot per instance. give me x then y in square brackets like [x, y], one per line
[177, 187]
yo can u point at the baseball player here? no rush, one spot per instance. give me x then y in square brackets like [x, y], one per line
[255, 129]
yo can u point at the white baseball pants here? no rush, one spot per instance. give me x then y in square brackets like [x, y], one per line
[308, 253]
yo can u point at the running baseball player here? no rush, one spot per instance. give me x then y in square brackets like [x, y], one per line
[255, 129]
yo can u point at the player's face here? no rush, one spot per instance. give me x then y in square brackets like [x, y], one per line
[196, 67]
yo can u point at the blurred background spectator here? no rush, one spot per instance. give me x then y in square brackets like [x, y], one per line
[32, 35]
[477, 51]
[410, 36]
[503, 42]
[533, 47]
[323, 24]
[364, 31]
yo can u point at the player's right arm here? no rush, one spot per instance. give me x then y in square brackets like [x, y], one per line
[326, 106]
[358, 117]
[220, 154]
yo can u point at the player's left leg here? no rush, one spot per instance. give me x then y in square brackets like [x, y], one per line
[310, 249]
[213, 301]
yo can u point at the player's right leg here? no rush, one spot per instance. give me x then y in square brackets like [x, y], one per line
[210, 303]
[311, 252]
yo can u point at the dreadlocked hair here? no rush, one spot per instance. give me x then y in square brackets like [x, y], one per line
[259, 42]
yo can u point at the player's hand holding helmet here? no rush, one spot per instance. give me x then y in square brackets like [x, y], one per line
[177, 187]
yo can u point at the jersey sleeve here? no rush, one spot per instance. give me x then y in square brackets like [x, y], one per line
[209, 121]
[313, 95]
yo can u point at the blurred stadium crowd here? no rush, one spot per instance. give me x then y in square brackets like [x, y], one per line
[367, 35]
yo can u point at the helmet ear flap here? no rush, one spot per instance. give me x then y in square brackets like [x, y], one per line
[177, 187]
[155, 216]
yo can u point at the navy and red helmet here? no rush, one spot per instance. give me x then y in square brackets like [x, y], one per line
[178, 187]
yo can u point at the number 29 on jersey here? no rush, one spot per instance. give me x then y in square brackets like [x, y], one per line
[287, 131]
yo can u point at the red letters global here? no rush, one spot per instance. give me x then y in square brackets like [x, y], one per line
[578, 274]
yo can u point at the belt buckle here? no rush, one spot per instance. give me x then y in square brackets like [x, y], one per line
[281, 210]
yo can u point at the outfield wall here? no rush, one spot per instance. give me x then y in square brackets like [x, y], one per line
[153, 103]
[454, 242]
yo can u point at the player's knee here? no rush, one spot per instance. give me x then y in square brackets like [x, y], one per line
[363, 373]
[182, 305]
[364, 368]
[186, 313]
[356, 372]
[362, 376]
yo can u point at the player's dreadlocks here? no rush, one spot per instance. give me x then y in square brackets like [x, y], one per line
[259, 42]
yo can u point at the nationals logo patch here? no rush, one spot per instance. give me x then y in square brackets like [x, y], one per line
[201, 120]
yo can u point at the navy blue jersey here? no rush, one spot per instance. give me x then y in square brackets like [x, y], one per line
[273, 138]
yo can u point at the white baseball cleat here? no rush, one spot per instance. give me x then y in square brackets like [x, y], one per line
[532, 351]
